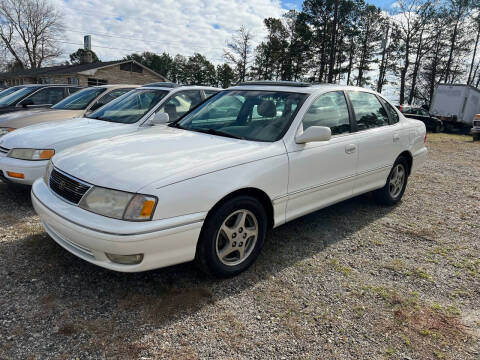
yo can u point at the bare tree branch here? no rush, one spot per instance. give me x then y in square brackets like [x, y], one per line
[29, 29]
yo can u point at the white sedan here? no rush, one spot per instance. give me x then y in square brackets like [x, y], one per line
[209, 186]
[24, 153]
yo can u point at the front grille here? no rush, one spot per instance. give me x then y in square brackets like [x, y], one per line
[4, 150]
[67, 187]
[476, 123]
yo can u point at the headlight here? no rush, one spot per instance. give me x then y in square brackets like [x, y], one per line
[118, 204]
[31, 154]
[4, 131]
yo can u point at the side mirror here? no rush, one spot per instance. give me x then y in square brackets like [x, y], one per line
[314, 133]
[27, 102]
[160, 118]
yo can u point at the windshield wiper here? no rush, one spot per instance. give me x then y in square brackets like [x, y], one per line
[99, 118]
[176, 125]
[218, 132]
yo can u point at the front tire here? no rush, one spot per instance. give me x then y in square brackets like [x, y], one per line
[396, 184]
[232, 237]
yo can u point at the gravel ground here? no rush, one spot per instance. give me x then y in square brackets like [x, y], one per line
[354, 281]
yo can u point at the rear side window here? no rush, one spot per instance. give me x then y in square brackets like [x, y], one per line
[368, 110]
[391, 112]
[329, 110]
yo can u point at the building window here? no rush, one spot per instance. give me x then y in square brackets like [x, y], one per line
[131, 67]
[45, 80]
[96, 82]
[72, 81]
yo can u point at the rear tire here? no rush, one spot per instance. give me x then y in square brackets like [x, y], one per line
[232, 237]
[396, 183]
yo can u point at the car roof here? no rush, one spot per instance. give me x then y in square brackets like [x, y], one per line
[48, 85]
[116, 86]
[287, 86]
[181, 87]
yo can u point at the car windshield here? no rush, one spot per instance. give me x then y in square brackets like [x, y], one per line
[131, 107]
[79, 100]
[245, 114]
[9, 90]
[10, 99]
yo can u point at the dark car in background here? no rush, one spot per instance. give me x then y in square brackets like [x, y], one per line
[35, 96]
[9, 90]
[431, 122]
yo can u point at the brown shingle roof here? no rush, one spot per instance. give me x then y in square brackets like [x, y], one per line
[59, 69]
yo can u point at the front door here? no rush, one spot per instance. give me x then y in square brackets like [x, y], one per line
[322, 172]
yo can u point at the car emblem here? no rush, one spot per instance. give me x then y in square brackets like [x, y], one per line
[61, 185]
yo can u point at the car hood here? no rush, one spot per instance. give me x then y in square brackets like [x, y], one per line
[25, 118]
[160, 155]
[58, 135]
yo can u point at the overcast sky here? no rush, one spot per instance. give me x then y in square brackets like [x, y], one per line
[174, 26]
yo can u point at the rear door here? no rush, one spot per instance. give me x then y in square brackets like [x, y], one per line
[377, 141]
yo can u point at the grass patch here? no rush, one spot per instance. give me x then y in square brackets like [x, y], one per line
[343, 269]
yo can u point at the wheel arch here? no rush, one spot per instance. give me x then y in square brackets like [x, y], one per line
[260, 195]
[407, 154]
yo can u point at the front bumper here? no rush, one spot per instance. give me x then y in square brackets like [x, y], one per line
[475, 131]
[89, 236]
[31, 170]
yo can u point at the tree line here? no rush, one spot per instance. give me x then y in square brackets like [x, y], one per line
[412, 48]
[416, 46]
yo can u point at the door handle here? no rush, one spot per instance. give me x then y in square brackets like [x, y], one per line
[350, 148]
[396, 137]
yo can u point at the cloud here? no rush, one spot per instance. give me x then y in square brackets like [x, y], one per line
[174, 26]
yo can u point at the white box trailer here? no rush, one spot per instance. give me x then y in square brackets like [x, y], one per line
[456, 105]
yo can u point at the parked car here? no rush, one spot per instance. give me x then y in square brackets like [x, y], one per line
[431, 122]
[24, 153]
[9, 90]
[475, 131]
[35, 96]
[76, 105]
[210, 185]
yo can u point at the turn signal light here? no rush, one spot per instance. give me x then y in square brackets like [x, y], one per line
[47, 154]
[147, 208]
[15, 175]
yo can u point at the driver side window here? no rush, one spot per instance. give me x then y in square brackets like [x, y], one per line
[181, 103]
[47, 96]
[105, 99]
[329, 110]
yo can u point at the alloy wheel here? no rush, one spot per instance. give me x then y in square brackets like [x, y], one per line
[397, 180]
[237, 237]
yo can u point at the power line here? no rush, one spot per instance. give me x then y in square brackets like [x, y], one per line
[123, 37]
[114, 48]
